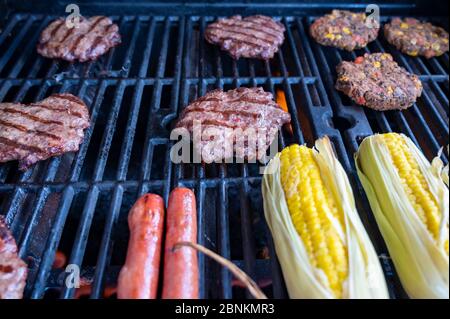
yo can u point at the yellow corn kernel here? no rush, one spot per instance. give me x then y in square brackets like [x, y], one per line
[390, 90]
[310, 203]
[346, 30]
[329, 36]
[404, 25]
[377, 64]
[435, 46]
[338, 37]
[413, 53]
[414, 183]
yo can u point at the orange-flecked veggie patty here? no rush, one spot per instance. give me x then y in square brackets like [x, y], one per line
[416, 38]
[376, 81]
[344, 29]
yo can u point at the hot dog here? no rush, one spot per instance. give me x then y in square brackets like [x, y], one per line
[139, 276]
[181, 274]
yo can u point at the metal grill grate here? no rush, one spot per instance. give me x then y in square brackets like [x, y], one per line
[79, 203]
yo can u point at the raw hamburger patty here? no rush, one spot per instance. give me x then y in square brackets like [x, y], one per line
[220, 113]
[13, 271]
[416, 38]
[34, 132]
[343, 29]
[252, 37]
[91, 39]
[377, 81]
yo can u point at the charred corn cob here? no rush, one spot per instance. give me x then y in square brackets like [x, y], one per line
[410, 202]
[322, 246]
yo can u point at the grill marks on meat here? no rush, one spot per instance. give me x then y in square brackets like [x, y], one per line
[13, 271]
[252, 37]
[376, 81]
[92, 38]
[251, 110]
[38, 131]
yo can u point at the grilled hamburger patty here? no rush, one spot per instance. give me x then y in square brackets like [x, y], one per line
[252, 37]
[377, 81]
[250, 109]
[37, 131]
[13, 271]
[91, 39]
[343, 29]
[416, 38]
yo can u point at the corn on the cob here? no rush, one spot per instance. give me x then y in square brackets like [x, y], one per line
[410, 202]
[311, 205]
[320, 241]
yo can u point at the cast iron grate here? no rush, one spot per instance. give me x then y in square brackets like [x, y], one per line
[78, 203]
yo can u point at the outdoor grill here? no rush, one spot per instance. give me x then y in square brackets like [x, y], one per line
[78, 203]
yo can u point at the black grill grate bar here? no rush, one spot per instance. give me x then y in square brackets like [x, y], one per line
[81, 237]
[9, 27]
[224, 242]
[200, 193]
[38, 205]
[247, 232]
[178, 66]
[17, 40]
[39, 285]
[165, 44]
[28, 50]
[293, 46]
[148, 48]
[109, 133]
[310, 56]
[443, 99]
[130, 132]
[106, 244]
[126, 65]
[439, 118]
[202, 217]
[94, 112]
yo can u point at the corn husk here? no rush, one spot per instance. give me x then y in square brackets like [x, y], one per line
[439, 167]
[365, 279]
[420, 260]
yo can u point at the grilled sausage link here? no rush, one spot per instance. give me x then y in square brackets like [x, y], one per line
[181, 274]
[139, 276]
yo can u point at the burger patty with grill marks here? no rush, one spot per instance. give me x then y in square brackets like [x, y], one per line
[13, 270]
[38, 131]
[242, 123]
[92, 38]
[252, 37]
